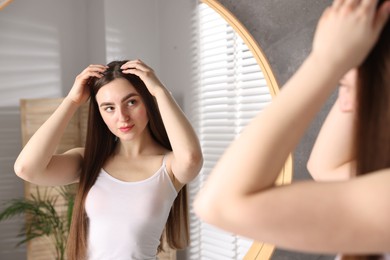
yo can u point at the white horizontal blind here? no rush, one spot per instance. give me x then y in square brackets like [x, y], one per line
[29, 60]
[230, 89]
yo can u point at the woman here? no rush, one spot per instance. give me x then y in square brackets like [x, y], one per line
[349, 216]
[140, 152]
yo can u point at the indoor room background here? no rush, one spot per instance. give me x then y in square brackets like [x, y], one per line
[44, 44]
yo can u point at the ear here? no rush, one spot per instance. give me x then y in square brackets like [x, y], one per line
[346, 99]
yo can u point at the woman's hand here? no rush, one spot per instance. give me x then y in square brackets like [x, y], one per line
[146, 74]
[348, 30]
[80, 92]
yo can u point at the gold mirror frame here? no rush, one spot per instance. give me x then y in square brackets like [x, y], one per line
[258, 250]
[4, 3]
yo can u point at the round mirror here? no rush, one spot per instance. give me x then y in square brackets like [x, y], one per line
[234, 81]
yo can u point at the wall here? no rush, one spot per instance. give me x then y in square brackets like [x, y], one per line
[176, 17]
[284, 29]
[132, 31]
[148, 30]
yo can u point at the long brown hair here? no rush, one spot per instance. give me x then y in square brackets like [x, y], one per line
[100, 145]
[372, 137]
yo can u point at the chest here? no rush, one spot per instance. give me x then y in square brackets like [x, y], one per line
[110, 198]
[132, 170]
[128, 218]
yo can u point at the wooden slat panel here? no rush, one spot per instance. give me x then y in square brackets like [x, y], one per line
[34, 112]
[83, 122]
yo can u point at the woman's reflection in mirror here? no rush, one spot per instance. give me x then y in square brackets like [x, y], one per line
[347, 211]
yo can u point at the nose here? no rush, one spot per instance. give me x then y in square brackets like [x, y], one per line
[124, 115]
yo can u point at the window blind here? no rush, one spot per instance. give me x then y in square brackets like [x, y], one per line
[229, 90]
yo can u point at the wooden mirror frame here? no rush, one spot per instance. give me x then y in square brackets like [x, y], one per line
[258, 250]
[4, 3]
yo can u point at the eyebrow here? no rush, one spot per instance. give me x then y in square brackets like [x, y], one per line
[122, 100]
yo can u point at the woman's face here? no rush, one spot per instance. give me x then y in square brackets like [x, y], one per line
[122, 109]
[347, 91]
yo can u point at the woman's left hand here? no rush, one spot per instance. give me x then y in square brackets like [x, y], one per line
[360, 20]
[146, 74]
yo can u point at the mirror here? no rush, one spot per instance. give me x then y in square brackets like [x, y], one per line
[40, 41]
[233, 88]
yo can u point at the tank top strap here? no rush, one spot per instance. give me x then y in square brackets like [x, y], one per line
[164, 162]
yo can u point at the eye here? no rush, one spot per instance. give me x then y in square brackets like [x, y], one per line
[109, 109]
[132, 102]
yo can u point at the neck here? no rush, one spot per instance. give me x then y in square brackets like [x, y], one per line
[143, 144]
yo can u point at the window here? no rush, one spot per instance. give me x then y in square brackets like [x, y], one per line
[229, 90]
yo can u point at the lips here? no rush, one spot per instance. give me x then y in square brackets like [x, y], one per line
[125, 129]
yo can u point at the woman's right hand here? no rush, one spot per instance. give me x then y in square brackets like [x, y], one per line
[80, 92]
[348, 30]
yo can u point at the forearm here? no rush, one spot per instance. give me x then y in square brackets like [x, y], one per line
[187, 157]
[183, 139]
[37, 153]
[329, 161]
[254, 160]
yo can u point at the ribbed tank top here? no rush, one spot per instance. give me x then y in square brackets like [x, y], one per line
[126, 219]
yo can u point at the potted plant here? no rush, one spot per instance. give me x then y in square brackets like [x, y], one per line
[43, 217]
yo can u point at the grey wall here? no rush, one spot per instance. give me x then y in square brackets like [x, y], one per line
[149, 30]
[284, 30]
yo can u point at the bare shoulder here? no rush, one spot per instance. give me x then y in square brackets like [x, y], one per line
[168, 162]
[186, 168]
[168, 156]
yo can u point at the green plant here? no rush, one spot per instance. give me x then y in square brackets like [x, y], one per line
[42, 218]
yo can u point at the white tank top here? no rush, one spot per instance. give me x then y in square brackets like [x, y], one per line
[126, 219]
